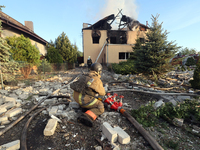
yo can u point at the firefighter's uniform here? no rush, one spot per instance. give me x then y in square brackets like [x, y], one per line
[86, 98]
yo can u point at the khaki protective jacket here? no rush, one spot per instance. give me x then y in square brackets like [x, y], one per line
[88, 101]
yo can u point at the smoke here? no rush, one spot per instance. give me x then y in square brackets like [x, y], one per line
[113, 6]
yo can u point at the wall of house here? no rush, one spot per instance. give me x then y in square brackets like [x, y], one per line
[110, 54]
[39, 46]
[91, 49]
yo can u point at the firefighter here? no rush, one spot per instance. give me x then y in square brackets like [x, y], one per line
[86, 90]
[89, 62]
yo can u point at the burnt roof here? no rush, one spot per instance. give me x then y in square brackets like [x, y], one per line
[7, 20]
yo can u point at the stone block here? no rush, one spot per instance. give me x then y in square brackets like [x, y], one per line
[178, 122]
[50, 127]
[182, 98]
[8, 105]
[14, 145]
[4, 118]
[123, 137]
[53, 110]
[2, 110]
[49, 101]
[5, 122]
[10, 99]
[159, 103]
[13, 112]
[109, 132]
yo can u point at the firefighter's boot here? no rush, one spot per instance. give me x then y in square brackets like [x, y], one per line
[87, 118]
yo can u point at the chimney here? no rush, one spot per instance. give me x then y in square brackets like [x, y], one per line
[29, 24]
[147, 23]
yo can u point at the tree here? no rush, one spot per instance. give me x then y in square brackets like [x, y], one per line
[8, 66]
[65, 48]
[187, 51]
[195, 83]
[154, 55]
[23, 50]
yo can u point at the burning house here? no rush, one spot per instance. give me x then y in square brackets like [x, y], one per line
[107, 45]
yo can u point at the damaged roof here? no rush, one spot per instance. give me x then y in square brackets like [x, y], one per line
[125, 22]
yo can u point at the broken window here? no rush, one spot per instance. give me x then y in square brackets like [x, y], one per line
[96, 34]
[117, 37]
[124, 55]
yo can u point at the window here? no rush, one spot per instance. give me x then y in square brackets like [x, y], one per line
[124, 55]
[96, 34]
[113, 40]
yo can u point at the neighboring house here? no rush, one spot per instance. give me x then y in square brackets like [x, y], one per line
[12, 27]
[105, 45]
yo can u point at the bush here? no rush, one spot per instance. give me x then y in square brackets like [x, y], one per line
[196, 76]
[183, 68]
[124, 67]
[190, 61]
[44, 67]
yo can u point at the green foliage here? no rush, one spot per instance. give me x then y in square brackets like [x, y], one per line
[195, 83]
[8, 66]
[126, 67]
[188, 68]
[171, 144]
[148, 116]
[187, 51]
[53, 56]
[190, 61]
[155, 54]
[183, 68]
[23, 50]
[66, 49]
[44, 67]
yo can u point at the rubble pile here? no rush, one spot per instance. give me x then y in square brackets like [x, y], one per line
[112, 127]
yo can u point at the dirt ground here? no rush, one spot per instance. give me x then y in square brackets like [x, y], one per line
[71, 135]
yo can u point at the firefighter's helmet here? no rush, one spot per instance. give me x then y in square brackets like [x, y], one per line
[96, 67]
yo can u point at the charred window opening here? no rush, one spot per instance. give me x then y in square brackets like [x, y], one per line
[117, 37]
[124, 55]
[96, 34]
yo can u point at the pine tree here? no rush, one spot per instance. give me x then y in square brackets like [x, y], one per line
[195, 83]
[154, 55]
[65, 48]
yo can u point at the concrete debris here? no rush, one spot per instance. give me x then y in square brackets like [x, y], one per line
[14, 145]
[16, 98]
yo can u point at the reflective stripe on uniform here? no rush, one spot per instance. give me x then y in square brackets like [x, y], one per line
[94, 100]
[82, 103]
[79, 98]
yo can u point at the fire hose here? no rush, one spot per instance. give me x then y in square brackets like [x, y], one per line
[116, 105]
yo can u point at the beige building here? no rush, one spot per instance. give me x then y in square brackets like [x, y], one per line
[12, 27]
[105, 45]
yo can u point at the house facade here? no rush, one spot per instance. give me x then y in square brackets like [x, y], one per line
[105, 45]
[11, 27]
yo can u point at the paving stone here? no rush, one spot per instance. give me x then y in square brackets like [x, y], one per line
[50, 127]
[123, 137]
[14, 145]
[109, 132]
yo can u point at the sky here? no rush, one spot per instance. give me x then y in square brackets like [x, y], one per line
[181, 18]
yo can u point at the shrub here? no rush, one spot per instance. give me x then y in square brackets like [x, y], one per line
[124, 67]
[190, 61]
[44, 67]
[196, 76]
